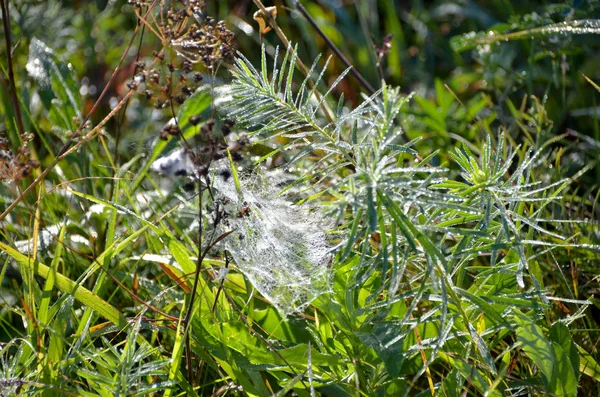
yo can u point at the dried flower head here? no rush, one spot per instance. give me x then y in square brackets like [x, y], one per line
[14, 167]
[194, 37]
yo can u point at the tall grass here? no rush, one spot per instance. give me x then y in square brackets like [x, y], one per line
[304, 242]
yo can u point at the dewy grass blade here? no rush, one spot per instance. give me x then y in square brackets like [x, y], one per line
[69, 286]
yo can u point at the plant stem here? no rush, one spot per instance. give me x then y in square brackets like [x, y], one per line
[334, 48]
[11, 76]
[188, 314]
[299, 62]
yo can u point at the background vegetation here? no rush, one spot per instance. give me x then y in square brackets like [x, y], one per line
[444, 228]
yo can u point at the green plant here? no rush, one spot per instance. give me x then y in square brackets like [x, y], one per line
[413, 241]
[401, 244]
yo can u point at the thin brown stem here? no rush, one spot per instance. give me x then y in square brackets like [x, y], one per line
[220, 285]
[11, 77]
[334, 48]
[289, 48]
[121, 119]
[190, 308]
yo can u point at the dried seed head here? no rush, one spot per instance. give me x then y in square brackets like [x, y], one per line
[172, 129]
[186, 90]
[194, 120]
[159, 55]
[225, 174]
[24, 152]
[26, 170]
[203, 170]
[236, 156]
[154, 76]
[164, 135]
[132, 85]
[226, 128]
[187, 66]
[210, 124]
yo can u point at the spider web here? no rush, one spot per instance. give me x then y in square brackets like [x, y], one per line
[280, 247]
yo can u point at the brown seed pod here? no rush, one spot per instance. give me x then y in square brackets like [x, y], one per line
[195, 120]
[164, 135]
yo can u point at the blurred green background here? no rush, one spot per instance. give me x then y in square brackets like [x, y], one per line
[431, 41]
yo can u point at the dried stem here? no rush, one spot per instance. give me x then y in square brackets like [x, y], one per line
[188, 314]
[289, 48]
[334, 48]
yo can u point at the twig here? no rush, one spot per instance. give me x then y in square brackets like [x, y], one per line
[201, 255]
[289, 48]
[221, 284]
[11, 76]
[334, 48]
[121, 120]
[188, 314]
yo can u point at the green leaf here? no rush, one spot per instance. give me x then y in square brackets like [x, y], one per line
[559, 333]
[470, 373]
[234, 174]
[553, 362]
[596, 86]
[69, 286]
[588, 365]
[196, 105]
[444, 97]
[471, 40]
[59, 90]
[384, 340]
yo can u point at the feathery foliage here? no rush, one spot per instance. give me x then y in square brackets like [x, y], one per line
[451, 257]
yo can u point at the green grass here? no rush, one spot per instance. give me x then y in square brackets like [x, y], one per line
[438, 238]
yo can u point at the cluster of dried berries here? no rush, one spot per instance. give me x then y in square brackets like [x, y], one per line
[210, 146]
[14, 167]
[174, 83]
[227, 126]
[220, 214]
[170, 129]
[193, 36]
[196, 162]
[209, 43]
[213, 147]
[196, 39]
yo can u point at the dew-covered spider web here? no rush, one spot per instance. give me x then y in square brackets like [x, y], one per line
[280, 247]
